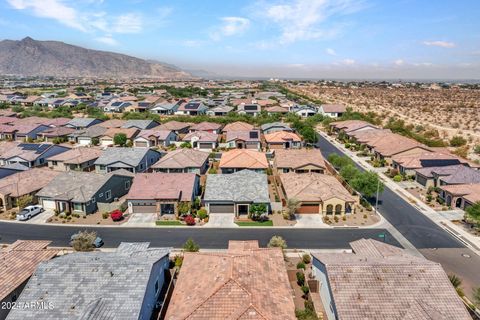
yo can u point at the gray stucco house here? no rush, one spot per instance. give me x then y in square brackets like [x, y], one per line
[124, 284]
[131, 159]
[234, 193]
[79, 192]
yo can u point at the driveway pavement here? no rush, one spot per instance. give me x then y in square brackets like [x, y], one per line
[221, 220]
[141, 220]
[41, 217]
[309, 221]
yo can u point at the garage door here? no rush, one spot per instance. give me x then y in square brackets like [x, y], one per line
[84, 141]
[144, 209]
[222, 208]
[204, 145]
[308, 208]
[141, 144]
[48, 204]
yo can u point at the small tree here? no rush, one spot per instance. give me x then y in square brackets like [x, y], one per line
[348, 172]
[456, 283]
[472, 213]
[186, 145]
[95, 141]
[191, 246]
[292, 207]
[183, 208]
[366, 183]
[24, 201]
[257, 210]
[120, 139]
[83, 241]
[277, 242]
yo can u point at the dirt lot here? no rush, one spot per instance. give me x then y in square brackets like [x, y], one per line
[359, 219]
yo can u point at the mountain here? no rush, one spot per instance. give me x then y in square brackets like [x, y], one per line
[29, 57]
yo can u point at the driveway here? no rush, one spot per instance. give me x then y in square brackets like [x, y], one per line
[42, 217]
[221, 220]
[309, 221]
[141, 220]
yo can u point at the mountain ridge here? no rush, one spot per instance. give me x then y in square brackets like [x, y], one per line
[29, 57]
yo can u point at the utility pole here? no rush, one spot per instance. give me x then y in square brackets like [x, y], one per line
[376, 198]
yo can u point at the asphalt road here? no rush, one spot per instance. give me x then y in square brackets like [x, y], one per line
[207, 238]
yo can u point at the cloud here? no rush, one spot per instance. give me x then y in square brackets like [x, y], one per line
[230, 26]
[107, 40]
[331, 52]
[443, 44]
[307, 19]
[128, 23]
[348, 62]
[52, 9]
[399, 62]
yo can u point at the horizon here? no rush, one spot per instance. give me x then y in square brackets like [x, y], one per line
[296, 39]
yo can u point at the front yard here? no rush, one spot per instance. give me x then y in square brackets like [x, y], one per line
[90, 219]
[268, 223]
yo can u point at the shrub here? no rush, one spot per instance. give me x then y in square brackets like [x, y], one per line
[202, 214]
[458, 141]
[300, 278]
[278, 242]
[178, 262]
[183, 208]
[305, 290]
[306, 258]
[83, 241]
[212, 170]
[116, 215]
[301, 265]
[477, 149]
[120, 139]
[397, 178]
[257, 210]
[189, 220]
[335, 218]
[191, 246]
[24, 201]
[105, 215]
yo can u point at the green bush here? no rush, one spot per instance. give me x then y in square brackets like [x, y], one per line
[202, 214]
[191, 246]
[305, 290]
[397, 178]
[300, 278]
[458, 141]
[301, 265]
[306, 258]
[105, 215]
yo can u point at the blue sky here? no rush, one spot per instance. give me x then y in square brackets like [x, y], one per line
[284, 38]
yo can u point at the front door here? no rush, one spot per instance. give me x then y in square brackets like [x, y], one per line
[243, 209]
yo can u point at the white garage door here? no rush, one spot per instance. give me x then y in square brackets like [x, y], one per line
[48, 204]
[84, 141]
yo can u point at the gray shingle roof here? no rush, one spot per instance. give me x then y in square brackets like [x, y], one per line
[456, 174]
[91, 285]
[140, 124]
[244, 185]
[129, 156]
[267, 126]
[80, 122]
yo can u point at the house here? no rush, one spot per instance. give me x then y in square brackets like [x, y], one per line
[88, 285]
[299, 161]
[207, 127]
[252, 109]
[407, 164]
[460, 195]
[354, 285]
[131, 159]
[28, 132]
[79, 192]
[244, 139]
[246, 282]
[78, 159]
[154, 138]
[7, 132]
[276, 110]
[390, 145]
[175, 126]
[192, 108]
[351, 126]
[239, 159]
[304, 111]
[166, 108]
[23, 183]
[219, 111]
[283, 140]
[107, 138]
[234, 193]
[19, 261]
[446, 175]
[87, 136]
[183, 160]
[10, 169]
[237, 126]
[274, 127]
[82, 123]
[202, 140]
[112, 123]
[318, 193]
[140, 124]
[49, 122]
[332, 110]
[31, 154]
[161, 193]
[116, 106]
[56, 134]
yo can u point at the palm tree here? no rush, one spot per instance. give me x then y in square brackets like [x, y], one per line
[457, 284]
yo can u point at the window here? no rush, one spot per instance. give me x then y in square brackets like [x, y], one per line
[141, 166]
[78, 207]
[93, 200]
[156, 287]
[127, 185]
[54, 163]
[108, 195]
[100, 195]
[102, 167]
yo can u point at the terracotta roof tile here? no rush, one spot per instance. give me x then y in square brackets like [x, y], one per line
[243, 158]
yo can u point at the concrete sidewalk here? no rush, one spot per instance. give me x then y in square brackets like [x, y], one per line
[466, 238]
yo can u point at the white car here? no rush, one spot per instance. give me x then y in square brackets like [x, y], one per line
[29, 212]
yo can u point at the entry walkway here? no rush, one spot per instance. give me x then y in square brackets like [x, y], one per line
[221, 220]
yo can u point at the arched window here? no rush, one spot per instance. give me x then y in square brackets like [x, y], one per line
[329, 209]
[338, 209]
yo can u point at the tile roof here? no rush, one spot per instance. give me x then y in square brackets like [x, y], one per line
[81, 122]
[91, 285]
[244, 135]
[278, 109]
[243, 158]
[129, 156]
[456, 174]
[237, 126]
[163, 186]
[159, 134]
[57, 132]
[281, 137]
[112, 123]
[174, 125]
[19, 260]
[240, 284]
[129, 132]
[315, 187]
[298, 158]
[334, 108]
[25, 182]
[77, 155]
[77, 186]
[350, 125]
[424, 159]
[45, 121]
[201, 136]
[283, 126]
[470, 192]
[205, 126]
[182, 158]
[243, 185]
[140, 124]
[90, 132]
[29, 151]
[392, 144]
[380, 281]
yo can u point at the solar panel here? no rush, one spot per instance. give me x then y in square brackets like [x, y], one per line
[116, 104]
[253, 135]
[250, 107]
[191, 106]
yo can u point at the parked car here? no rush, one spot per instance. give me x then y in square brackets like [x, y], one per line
[97, 243]
[116, 215]
[29, 212]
